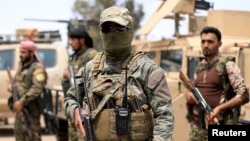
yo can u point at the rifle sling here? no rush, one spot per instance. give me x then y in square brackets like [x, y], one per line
[28, 78]
[104, 101]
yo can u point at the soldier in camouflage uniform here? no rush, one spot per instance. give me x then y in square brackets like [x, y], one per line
[30, 80]
[148, 96]
[225, 92]
[82, 45]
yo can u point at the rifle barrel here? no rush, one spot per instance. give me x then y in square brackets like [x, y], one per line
[87, 121]
[43, 20]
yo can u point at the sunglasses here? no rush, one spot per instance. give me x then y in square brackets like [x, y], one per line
[118, 28]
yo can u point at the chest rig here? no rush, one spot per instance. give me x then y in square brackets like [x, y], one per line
[106, 94]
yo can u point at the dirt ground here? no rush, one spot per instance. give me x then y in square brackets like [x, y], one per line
[6, 132]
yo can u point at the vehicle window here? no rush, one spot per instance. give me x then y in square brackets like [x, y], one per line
[48, 56]
[171, 60]
[6, 59]
[191, 64]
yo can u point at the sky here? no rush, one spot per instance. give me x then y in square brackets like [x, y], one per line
[13, 13]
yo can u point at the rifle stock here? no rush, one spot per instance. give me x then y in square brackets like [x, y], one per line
[202, 102]
[24, 114]
[86, 118]
[185, 80]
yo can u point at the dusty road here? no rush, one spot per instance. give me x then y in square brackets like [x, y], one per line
[44, 138]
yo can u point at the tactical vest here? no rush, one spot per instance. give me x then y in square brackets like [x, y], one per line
[81, 60]
[36, 106]
[106, 92]
[230, 116]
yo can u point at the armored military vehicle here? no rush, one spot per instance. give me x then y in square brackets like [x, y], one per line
[182, 52]
[53, 55]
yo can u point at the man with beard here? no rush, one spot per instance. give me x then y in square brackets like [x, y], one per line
[225, 91]
[30, 79]
[82, 45]
[125, 92]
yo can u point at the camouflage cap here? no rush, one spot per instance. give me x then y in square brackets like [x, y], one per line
[116, 14]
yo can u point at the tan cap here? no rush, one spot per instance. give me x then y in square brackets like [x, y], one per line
[116, 14]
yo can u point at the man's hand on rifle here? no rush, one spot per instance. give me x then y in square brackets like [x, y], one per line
[213, 116]
[9, 88]
[78, 121]
[18, 106]
[191, 98]
[66, 74]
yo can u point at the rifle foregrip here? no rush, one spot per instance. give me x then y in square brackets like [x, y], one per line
[87, 122]
[204, 104]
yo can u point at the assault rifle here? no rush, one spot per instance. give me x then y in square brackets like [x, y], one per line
[24, 114]
[202, 102]
[86, 118]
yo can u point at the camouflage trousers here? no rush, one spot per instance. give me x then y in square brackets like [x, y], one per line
[74, 133]
[33, 129]
[197, 133]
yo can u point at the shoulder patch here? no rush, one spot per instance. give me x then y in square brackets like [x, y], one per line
[40, 77]
[39, 74]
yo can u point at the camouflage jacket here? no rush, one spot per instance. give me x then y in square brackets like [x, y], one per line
[79, 59]
[149, 80]
[30, 80]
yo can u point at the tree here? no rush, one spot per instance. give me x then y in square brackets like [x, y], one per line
[137, 13]
[91, 10]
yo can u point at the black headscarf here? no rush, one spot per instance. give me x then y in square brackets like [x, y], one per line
[80, 32]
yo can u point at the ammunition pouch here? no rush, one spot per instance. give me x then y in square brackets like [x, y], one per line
[140, 126]
[35, 108]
